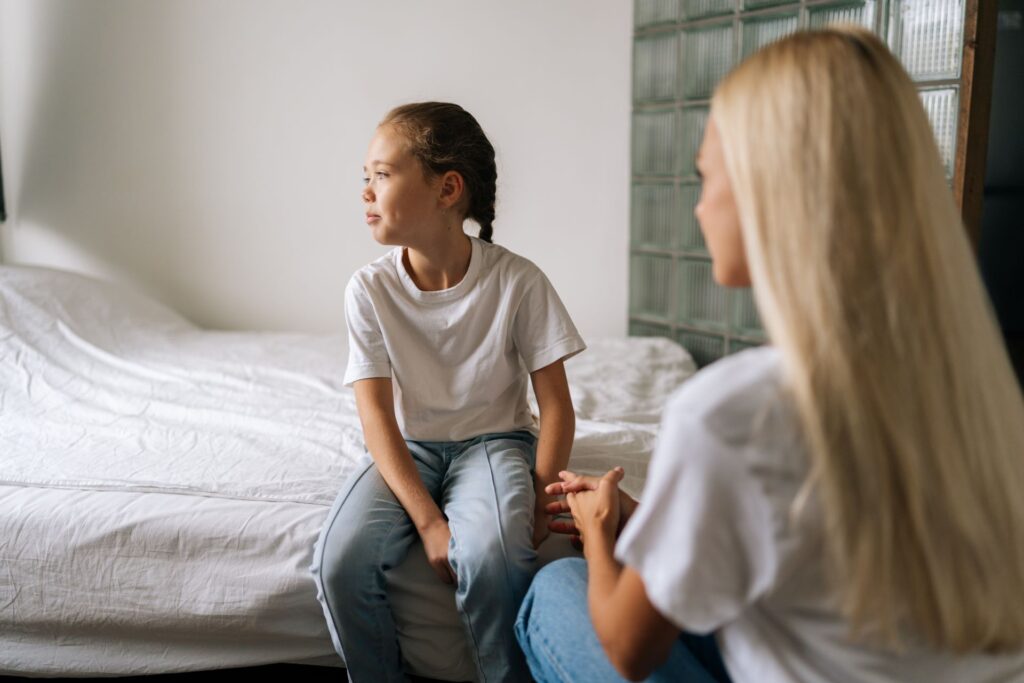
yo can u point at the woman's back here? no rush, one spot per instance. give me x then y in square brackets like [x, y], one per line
[716, 527]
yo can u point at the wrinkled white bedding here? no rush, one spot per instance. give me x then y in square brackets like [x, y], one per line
[161, 486]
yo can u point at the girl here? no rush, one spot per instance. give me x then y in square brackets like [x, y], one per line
[845, 504]
[442, 334]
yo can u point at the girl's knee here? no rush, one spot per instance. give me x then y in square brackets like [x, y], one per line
[490, 554]
[343, 555]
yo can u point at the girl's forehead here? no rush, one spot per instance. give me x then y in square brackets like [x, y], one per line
[388, 140]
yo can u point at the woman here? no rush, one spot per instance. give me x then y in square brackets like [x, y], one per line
[843, 505]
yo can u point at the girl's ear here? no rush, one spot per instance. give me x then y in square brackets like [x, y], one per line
[452, 188]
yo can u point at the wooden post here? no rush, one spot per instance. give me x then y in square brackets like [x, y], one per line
[975, 110]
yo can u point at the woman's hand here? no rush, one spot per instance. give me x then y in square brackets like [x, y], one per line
[595, 512]
[436, 536]
[573, 483]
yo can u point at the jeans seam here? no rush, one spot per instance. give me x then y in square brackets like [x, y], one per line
[552, 656]
[320, 569]
[377, 565]
[497, 514]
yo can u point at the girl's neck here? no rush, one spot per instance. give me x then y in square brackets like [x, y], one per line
[441, 264]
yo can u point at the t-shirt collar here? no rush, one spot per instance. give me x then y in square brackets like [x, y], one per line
[463, 286]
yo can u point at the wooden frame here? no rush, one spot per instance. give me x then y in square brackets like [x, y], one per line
[975, 109]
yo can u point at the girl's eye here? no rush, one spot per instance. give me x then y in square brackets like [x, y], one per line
[366, 181]
[382, 174]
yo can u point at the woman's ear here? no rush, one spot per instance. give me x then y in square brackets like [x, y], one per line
[452, 188]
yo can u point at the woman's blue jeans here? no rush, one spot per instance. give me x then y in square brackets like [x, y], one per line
[484, 486]
[558, 638]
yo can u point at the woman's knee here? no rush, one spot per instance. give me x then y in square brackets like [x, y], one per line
[562, 581]
[558, 590]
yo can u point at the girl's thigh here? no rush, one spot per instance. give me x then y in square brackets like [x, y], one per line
[488, 497]
[366, 520]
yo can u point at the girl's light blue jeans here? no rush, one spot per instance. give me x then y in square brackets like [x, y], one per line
[560, 644]
[484, 486]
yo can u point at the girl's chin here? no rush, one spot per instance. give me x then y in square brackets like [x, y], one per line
[380, 235]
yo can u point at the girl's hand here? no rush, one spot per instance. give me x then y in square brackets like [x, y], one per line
[596, 511]
[573, 483]
[436, 536]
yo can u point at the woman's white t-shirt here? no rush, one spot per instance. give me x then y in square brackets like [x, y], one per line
[459, 357]
[718, 551]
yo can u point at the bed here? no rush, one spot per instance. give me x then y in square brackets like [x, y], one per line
[162, 486]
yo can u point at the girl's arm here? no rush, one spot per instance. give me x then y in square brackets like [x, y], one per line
[616, 594]
[557, 429]
[376, 404]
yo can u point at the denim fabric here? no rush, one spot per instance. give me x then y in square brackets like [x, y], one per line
[560, 644]
[484, 486]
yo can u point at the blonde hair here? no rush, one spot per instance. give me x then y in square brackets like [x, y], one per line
[866, 283]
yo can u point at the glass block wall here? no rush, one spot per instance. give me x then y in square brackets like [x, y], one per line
[681, 49]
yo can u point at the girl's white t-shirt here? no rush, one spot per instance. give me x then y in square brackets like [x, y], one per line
[459, 357]
[718, 551]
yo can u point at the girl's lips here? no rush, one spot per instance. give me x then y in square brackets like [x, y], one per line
[371, 218]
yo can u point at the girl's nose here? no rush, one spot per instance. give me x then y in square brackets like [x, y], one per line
[367, 194]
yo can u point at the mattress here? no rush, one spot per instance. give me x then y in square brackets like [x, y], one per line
[162, 486]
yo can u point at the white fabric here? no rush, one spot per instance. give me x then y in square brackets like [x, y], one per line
[162, 486]
[460, 357]
[716, 548]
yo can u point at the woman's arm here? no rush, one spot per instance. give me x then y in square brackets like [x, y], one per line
[376, 404]
[616, 595]
[557, 429]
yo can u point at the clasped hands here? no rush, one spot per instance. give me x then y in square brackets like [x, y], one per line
[597, 505]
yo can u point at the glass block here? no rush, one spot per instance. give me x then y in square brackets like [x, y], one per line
[761, 30]
[654, 143]
[707, 57]
[650, 285]
[753, 4]
[942, 105]
[745, 318]
[690, 236]
[698, 9]
[653, 216]
[655, 67]
[694, 120]
[649, 12]
[704, 348]
[702, 302]
[927, 35]
[638, 328]
[862, 13]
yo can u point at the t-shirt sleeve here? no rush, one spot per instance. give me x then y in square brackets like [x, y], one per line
[701, 538]
[542, 331]
[367, 354]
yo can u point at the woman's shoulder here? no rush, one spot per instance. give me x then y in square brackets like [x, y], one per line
[737, 376]
[735, 395]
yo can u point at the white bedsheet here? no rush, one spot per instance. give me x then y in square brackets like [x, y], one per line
[161, 486]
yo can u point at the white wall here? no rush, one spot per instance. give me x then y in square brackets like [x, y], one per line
[211, 152]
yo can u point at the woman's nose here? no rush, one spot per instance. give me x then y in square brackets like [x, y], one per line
[367, 194]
